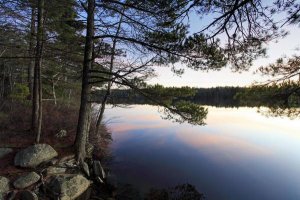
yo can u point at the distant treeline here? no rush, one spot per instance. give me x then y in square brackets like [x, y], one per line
[283, 95]
[218, 96]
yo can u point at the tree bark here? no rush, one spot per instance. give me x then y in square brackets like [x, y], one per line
[85, 104]
[6, 81]
[53, 91]
[37, 84]
[31, 52]
[2, 77]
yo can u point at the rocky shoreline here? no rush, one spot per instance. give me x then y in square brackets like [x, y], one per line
[46, 176]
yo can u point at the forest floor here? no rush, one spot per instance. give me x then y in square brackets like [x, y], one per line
[15, 132]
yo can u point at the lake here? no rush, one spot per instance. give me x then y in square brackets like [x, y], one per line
[239, 155]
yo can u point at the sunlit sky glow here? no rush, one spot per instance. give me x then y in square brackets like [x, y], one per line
[225, 77]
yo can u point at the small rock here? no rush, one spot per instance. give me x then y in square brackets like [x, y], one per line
[55, 170]
[26, 180]
[68, 187]
[86, 169]
[99, 180]
[4, 186]
[47, 163]
[53, 161]
[34, 155]
[62, 133]
[98, 169]
[67, 160]
[5, 151]
[28, 195]
[11, 195]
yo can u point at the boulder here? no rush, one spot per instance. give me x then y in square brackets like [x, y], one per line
[69, 186]
[4, 186]
[34, 155]
[26, 180]
[28, 195]
[5, 151]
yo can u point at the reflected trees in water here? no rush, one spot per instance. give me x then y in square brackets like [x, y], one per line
[290, 112]
[179, 192]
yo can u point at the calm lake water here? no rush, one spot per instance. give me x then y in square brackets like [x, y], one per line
[239, 155]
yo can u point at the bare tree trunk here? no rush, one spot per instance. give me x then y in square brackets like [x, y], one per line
[37, 84]
[31, 52]
[40, 117]
[107, 94]
[69, 97]
[102, 108]
[53, 91]
[2, 77]
[6, 86]
[85, 104]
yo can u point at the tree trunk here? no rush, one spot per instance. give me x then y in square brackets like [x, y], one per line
[37, 84]
[31, 52]
[6, 82]
[69, 97]
[107, 94]
[102, 108]
[53, 91]
[2, 77]
[85, 104]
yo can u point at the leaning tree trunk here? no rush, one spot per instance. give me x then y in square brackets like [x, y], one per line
[107, 94]
[53, 91]
[37, 85]
[30, 71]
[85, 104]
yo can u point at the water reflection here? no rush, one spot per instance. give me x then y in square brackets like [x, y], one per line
[239, 154]
[277, 111]
[179, 192]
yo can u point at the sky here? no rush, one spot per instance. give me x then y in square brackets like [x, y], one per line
[225, 77]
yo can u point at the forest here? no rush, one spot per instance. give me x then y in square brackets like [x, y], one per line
[284, 95]
[58, 59]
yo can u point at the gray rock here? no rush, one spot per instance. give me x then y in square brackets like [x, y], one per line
[62, 133]
[11, 195]
[4, 186]
[34, 155]
[69, 187]
[67, 161]
[28, 195]
[86, 169]
[26, 180]
[55, 170]
[98, 169]
[53, 161]
[5, 151]
[99, 180]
